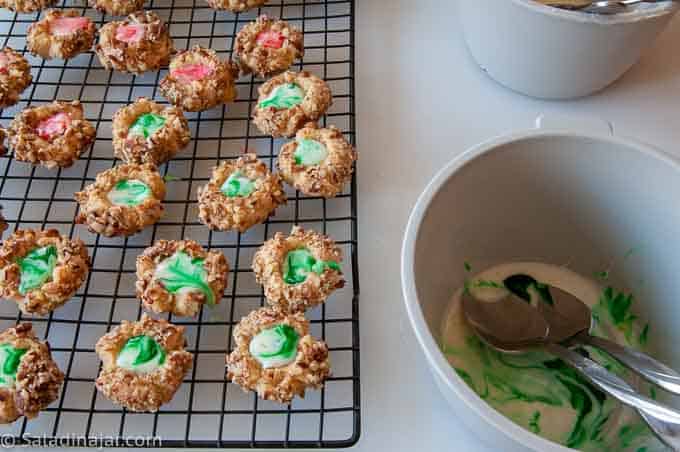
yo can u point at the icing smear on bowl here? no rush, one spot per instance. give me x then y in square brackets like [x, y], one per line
[538, 391]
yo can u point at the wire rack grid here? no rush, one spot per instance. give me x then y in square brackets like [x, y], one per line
[207, 411]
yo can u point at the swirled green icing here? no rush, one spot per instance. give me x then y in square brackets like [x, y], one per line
[300, 262]
[10, 358]
[310, 152]
[129, 192]
[36, 268]
[543, 394]
[146, 125]
[284, 96]
[275, 347]
[180, 272]
[237, 185]
[141, 354]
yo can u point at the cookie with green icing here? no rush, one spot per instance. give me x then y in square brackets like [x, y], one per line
[290, 100]
[143, 363]
[42, 269]
[298, 271]
[319, 162]
[240, 194]
[122, 200]
[30, 380]
[147, 132]
[275, 356]
[180, 277]
[268, 46]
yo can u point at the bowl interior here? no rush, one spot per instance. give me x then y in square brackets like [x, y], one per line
[588, 203]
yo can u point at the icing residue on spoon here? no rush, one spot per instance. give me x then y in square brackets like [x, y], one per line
[64, 26]
[536, 390]
[192, 72]
[53, 126]
[131, 33]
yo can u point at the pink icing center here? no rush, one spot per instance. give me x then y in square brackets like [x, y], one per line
[4, 63]
[54, 125]
[271, 38]
[191, 72]
[130, 33]
[64, 26]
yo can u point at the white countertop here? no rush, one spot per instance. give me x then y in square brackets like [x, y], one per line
[421, 101]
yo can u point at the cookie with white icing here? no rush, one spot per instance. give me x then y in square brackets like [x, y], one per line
[179, 276]
[319, 162]
[299, 271]
[143, 363]
[30, 380]
[276, 357]
[52, 135]
[240, 194]
[41, 270]
[61, 34]
[147, 132]
[289, 101]
[122, 201]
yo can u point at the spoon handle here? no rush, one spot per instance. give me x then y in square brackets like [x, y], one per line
[664, 421]
[650, 369]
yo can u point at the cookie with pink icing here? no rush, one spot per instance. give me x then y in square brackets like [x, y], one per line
[198, 80]
[15, 76]
[117, 7]
[52, 135]
[61, 34]
[138, 44]
[267, 47]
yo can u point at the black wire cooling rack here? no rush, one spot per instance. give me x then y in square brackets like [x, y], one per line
[207, 411]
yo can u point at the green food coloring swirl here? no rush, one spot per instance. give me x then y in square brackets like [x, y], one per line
[146, 125]
[275, 347]
[238, 185]
[300, 262]
[141, 354]
[36, 268]
[129, 193]
[284, 96]
[180, 272]
[10, 358]
[310, 152]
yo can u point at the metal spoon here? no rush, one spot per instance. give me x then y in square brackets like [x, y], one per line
[598, 6]
[571, 319]
[512, 325]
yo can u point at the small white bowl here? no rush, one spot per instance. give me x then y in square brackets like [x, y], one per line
[552, 196]
[546, 52]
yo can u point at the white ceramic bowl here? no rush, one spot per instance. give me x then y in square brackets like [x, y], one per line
[557, 197]
[551, 53]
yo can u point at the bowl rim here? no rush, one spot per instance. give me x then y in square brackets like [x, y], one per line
[435, 358]
[667, 7]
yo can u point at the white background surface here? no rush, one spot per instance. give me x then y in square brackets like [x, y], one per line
[421, 101]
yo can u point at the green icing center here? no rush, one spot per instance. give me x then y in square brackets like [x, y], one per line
[180, 272]
[129, 192]
[299, 263]
[10, 358]
[146, 125]
[275, 347]
[141, 354]
[238, 185]
[284, 96]
[310, 152]
[36, 268]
